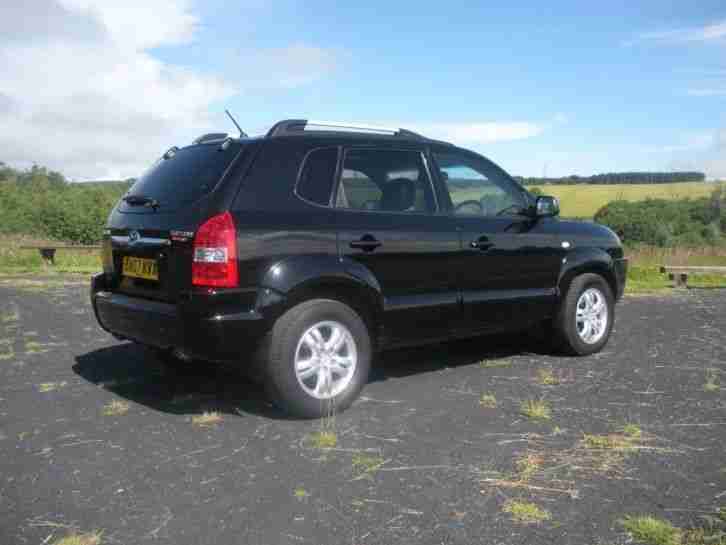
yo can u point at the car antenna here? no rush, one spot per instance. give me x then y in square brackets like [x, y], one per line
[241, 132]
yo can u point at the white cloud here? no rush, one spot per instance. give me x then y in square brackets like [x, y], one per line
[84, 93]
[139, 24]
[712, 32]
[485, 132]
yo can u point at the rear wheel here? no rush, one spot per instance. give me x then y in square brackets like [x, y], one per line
[586, 316]
[318, 358]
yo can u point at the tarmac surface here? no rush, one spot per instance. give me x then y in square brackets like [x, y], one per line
[96, 434]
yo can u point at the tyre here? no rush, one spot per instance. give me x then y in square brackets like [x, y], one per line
[318, 358]
[586, 317]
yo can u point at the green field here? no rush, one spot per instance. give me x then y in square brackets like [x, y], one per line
[582, 201]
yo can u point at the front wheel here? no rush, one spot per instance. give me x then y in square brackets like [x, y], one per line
[318, 358]
[585, 319]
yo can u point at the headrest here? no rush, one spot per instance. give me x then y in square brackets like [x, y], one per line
[398, 195]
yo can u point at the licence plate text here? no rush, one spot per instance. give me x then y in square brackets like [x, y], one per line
[140, 268]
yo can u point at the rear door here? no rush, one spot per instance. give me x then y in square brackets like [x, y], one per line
[508, 265]
[388, 220]
[149, 235]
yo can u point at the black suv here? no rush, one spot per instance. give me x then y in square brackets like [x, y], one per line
[302, 253]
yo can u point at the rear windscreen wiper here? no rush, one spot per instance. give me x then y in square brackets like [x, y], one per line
[141, 200]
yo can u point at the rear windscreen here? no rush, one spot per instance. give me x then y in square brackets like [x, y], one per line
[185, 177]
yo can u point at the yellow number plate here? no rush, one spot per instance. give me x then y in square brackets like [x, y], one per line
[140, 268]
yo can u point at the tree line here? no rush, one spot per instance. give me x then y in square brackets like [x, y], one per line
[617, 178]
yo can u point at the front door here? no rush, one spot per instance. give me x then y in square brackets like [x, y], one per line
[388, 221]
[508, 265]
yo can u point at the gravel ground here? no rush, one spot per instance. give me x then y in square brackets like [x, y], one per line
[96, 434]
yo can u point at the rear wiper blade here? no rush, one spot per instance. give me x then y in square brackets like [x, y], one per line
[141, 200]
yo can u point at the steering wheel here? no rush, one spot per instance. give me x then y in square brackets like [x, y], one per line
[462, 204]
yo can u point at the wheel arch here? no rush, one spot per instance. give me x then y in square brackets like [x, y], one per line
[587, 260]
[294, 280]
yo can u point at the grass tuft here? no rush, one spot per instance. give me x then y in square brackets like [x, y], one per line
[323, 439]
[33, 347]
[612, 441]
[116, 408]
[365, 465]
[205, 419]
[546, 377]
[632, 430]
[50, 386]
[300, 493]
[525, 512]
[536, 409]
[10, 317]
[488, 401]
[75, 538]
[652, 531]
[528, 465]
[7, 352]
[712, 381]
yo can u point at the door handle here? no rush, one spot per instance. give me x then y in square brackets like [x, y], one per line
[367, 243]
[482, 244]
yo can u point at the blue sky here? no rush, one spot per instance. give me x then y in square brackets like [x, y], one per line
[555, 88]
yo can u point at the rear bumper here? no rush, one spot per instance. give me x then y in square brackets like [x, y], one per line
[621, 274]
[214, 327]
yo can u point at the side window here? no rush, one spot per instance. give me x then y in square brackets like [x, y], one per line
[479, 188]
[357, 191]
[386, 181]
[318, 175]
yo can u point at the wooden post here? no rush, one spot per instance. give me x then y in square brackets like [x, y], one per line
[680, 279]
[48, 254]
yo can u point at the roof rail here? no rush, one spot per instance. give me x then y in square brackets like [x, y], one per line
[289, 127]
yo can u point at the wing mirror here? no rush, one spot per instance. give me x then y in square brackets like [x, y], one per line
[546, 207]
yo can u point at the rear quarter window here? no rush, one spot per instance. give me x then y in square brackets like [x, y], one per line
[317, 176]
[186, 176]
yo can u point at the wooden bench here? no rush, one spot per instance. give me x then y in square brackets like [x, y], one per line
[680, 273]
[47, 251]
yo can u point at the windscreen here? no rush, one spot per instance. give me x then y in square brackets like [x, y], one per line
[183, 177]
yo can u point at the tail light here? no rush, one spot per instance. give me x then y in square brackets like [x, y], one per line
[215, 253]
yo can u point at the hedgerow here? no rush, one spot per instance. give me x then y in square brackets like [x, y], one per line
[666, 223]
[42, 203]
